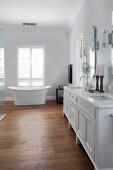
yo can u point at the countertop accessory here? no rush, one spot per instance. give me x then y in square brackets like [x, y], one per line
[97, 83]
[101, 84]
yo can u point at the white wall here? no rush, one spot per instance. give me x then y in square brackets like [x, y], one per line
[56, 56]
[98, 13]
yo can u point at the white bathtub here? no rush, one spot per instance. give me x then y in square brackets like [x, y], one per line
[29, 95]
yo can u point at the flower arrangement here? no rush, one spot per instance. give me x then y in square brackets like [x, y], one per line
[86, 68]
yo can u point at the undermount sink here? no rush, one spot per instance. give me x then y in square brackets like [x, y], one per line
[101, 98]
[75, 87]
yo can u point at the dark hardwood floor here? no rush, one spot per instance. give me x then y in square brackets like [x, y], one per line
[37, 138]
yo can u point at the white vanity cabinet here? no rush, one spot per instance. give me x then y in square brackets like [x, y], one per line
[93, 125]
[81, 117]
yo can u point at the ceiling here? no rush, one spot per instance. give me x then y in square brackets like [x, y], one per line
[46, 13]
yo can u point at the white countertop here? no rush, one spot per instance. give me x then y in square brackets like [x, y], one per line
[87, 96]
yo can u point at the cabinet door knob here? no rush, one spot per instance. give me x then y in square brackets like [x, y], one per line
[87, 117]
[83, 116]
[111, 115]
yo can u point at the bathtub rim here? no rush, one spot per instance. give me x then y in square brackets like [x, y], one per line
[25, 88]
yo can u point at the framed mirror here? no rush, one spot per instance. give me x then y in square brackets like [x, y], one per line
[112, 45]
[90, 46]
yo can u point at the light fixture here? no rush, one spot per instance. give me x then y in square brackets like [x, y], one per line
[29, 26]
[110, 38]
[107, 38]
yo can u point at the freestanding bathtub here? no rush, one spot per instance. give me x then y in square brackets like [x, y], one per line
[29, 95]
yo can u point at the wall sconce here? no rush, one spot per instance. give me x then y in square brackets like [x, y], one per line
[107, 38]
[110, 39]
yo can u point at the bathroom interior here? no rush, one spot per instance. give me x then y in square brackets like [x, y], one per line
[46, 48]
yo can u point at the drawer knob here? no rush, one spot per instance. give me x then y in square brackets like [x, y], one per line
[83, 116]
[111, 115]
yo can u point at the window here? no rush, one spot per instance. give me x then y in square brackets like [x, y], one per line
[30, 66]
[1, 66]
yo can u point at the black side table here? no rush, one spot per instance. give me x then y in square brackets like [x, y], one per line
[59, 98]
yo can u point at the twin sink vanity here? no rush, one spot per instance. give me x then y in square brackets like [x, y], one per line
[91, 117]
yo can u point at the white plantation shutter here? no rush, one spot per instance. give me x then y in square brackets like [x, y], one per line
[1, 66]
[23, 63]
[79, 71]
[37, 62]
[30, 66]
[78, 64]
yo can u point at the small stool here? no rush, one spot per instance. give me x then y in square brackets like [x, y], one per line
[59, 98]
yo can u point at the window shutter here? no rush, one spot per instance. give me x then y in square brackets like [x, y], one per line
[30, 66]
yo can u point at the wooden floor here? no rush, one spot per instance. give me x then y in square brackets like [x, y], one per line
[37, 138]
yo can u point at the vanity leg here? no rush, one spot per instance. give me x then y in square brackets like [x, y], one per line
[95, 168]
[77, 140]
[69, 125]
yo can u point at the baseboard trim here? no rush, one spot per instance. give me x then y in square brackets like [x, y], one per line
[2, 116]
[9, 99]
[50, 98]
[104, 169]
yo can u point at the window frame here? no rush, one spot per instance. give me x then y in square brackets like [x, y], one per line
[31, 46]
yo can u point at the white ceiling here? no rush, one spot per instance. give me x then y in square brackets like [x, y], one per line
[46, 13]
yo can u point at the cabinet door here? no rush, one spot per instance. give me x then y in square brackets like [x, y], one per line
[73, 115]
[109, 140]
[65, 105]
[89, 136]
[81, 126]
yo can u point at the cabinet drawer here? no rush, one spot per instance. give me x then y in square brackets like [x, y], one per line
[86, 106]
[66, 95]
[73, 115]
[66, 91]
[73, 96]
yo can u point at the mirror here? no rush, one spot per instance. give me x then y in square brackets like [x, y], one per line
[90, 46]
[112, 45]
